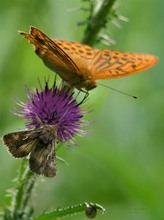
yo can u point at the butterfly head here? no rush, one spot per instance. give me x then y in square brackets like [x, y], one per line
[90, 84]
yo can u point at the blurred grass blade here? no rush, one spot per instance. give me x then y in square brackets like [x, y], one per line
[90, 210]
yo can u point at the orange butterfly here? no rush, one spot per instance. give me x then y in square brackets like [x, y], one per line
[81, 65]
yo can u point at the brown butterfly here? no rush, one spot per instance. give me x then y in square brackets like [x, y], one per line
[39, 143]
[81, 65]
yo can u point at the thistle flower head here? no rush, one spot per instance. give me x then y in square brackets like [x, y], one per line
[54, 107]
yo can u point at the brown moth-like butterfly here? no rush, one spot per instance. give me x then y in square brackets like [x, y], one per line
[81, 65]
[39, 144]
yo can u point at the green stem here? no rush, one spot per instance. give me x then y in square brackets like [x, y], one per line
[22, 192]
[96, 21]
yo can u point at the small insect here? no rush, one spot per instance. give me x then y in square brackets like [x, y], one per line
[81, 65]
[39, 144]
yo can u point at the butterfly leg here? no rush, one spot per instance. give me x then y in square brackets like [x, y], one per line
[84, 98]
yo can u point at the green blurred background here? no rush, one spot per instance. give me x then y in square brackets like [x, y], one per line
[120, 164]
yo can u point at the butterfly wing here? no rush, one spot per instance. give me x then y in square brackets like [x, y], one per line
[81, 54]
[108, 64]
[105, 64]
[54, 56]
[20, 143]
[43, 159]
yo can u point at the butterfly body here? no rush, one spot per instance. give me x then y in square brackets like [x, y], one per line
[81, 65]
[39, 144]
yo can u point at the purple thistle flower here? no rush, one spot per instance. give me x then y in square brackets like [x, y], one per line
[52, 116]
[53, 106]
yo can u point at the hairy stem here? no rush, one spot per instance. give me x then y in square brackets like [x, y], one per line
[97, 20]
[23, 190]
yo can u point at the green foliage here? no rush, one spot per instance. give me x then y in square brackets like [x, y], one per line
[120, 165]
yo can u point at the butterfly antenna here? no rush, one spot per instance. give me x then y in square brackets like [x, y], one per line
[135, 97]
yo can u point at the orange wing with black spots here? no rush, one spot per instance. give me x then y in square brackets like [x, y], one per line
[81, 65]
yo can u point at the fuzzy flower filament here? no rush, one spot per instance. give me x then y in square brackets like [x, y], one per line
[53, 107]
